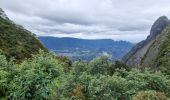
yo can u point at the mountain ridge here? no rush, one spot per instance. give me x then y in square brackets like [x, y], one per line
[15, 41]
[136, 57]
[81, 46]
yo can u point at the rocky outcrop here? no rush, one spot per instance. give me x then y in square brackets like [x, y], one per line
[153, 52]
[136, 57]
[158, 27]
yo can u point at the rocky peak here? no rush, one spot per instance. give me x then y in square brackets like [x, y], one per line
[158, 26]
[3, 15]
[137, 55]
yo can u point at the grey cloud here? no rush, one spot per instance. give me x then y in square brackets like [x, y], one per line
[115, 19]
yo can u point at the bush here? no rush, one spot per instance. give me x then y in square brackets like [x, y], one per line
[79, 67]
[100, 66]
[106, 87]
[45, 76]
[149, 95]
[36, 77]
[148, 80]
[6, 73]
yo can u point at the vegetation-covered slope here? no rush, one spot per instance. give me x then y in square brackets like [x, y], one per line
[158, 55]
[17, 42]
[146, 51]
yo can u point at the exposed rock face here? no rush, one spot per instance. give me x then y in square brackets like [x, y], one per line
[3, 15]
[153, 52]
[135, 57]
[158, 27]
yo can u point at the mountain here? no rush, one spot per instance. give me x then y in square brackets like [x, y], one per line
[86, 49]
[15, 41]
[150, 51]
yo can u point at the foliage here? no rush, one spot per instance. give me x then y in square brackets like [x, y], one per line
[17, 42]
[45, 76]
[6, 73]
[149, 95]
[119, 65]
[100, 66]
[79, 67]
[87, 83]
[35, 77]
[163, 59]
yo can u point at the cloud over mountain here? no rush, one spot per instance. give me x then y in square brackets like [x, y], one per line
[92, 19]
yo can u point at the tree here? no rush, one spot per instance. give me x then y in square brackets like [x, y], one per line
[36, 76]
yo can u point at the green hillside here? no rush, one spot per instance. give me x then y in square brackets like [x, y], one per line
[144, 53]
[163, 58]
[17, 42]
[157, 56]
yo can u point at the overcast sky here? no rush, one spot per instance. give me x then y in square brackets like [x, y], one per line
[129, 20]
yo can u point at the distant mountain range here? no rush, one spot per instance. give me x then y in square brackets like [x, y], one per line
[86, 49]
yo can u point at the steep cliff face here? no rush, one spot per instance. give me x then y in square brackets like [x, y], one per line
[140, 54]
[152, 56]
[15, 41]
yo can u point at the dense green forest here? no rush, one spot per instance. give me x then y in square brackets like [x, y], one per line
[47, 76]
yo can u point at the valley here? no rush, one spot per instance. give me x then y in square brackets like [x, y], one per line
[86, 49]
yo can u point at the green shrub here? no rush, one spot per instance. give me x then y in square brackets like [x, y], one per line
[149, 95]
[6, 73]
[149, 80]
[36, 77]
[79, 67]
[46, 76]
[100, 65]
